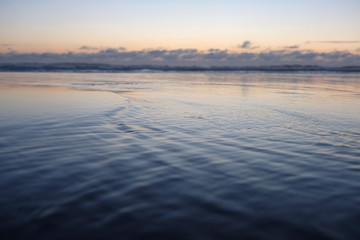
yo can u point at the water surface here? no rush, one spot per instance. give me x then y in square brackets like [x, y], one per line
[180, 155]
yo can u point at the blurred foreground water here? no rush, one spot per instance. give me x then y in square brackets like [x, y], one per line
[180, 155]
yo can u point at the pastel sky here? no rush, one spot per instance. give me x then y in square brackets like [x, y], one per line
[253, 26]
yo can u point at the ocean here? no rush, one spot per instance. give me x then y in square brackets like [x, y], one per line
[180, 155]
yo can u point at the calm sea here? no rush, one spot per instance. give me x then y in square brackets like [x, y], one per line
[149, 155]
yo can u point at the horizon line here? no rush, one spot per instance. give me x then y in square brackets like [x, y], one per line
[104, 67]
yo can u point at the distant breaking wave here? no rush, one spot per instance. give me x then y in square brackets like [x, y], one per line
[88, 67]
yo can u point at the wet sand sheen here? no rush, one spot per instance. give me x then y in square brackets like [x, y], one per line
[183, 159]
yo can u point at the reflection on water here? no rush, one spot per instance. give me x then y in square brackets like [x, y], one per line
[180, 155]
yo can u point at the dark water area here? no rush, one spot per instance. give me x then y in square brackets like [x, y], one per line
[180, 156]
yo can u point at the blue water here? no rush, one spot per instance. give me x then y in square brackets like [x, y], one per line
[180, 155]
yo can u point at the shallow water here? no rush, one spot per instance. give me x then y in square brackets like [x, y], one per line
[180, 155]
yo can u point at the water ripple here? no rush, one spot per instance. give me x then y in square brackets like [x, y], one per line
[165, 163]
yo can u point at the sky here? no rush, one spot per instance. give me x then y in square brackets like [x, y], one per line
[261, 28]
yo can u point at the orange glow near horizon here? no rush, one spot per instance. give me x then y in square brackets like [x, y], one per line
[65, 26]
[73, 47]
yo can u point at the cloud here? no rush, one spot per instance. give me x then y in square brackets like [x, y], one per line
[333, 42]
[247, 45]
[109, 52]
[188, 57]
[88, 48]
[292, 47]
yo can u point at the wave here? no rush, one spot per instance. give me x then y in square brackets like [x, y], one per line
[86, 67]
